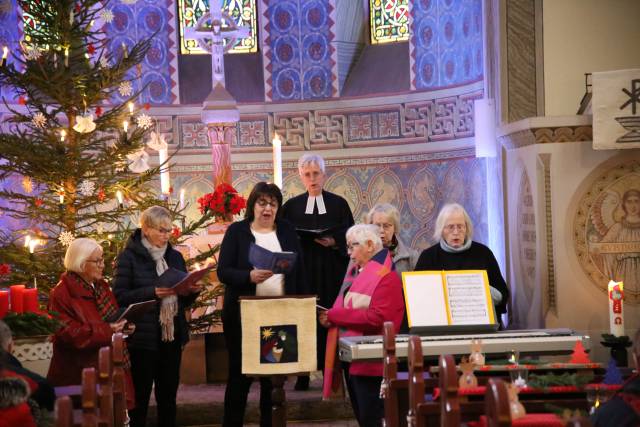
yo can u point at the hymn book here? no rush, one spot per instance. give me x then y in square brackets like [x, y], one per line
[277, 262]
[448, 298]
[180, 281]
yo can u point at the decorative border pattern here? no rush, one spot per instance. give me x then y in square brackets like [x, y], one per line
[546, 135]
[552, 301]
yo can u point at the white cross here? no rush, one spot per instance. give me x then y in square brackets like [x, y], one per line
[217, 34]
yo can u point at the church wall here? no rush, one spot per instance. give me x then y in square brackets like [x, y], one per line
[584, 36]
[558, 187]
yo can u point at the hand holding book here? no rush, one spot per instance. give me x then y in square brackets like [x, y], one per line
[276, 262]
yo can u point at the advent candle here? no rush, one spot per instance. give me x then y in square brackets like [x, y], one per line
[16, 295]
[4, 303]
[165, 181]
[30, 300]
[616, 315]
[277, 161]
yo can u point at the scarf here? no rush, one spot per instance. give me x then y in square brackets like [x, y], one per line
[445, 247]
[169, 305]
[355, 292]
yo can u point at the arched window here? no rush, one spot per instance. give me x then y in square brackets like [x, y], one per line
[243, 12]
[389, 20]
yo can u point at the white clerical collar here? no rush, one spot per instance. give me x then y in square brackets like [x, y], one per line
[312, 201]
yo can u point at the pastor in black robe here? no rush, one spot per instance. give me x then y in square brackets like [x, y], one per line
[324, 267]
[477, 257]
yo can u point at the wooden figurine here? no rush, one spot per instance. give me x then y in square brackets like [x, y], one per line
[476, 357]
[467, 379]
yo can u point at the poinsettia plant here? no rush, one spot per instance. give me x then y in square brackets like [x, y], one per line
[223, 202]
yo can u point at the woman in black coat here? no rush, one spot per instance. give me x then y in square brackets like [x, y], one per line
[156, 345]
[263, 227]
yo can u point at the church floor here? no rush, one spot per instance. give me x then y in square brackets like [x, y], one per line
[202, 405]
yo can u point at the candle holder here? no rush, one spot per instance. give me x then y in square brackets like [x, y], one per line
[618, 348]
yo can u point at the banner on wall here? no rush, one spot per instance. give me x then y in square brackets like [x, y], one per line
[616, 109]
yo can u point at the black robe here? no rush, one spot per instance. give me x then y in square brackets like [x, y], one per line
[477, 257]
[324, 267]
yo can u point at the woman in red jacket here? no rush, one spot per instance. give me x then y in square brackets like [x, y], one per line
[371, 294]
[85, 304]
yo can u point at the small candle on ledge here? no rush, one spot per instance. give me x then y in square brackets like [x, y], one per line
[5, 54]
[182, 198]
[4, 303]
[120, 199]
[616, 315]
[277, 161]
[16, 295]
[30, 300]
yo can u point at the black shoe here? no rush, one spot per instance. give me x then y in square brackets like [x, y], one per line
[302, 383]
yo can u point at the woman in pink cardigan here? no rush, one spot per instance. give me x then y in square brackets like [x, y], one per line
[371, 294]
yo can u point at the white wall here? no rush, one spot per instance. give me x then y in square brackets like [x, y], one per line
[583, 36]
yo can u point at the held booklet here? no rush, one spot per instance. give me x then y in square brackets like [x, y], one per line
[311, 234]
[277, 262]
[180, 281]
[135, 311]
[448, 300]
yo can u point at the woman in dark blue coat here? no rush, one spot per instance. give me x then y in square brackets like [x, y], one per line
[262, 225]
[156, 345]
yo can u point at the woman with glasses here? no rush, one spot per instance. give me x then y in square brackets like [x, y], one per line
[156, 346]
[371, 294]
[262, 225]
[83, 301]
[387, 218]
[456, 251]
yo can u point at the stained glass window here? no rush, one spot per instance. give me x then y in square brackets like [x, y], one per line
[389, 20]
[243, 12]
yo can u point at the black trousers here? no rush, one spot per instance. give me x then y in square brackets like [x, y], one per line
[162, 369]
[364, 393]
[238, 385]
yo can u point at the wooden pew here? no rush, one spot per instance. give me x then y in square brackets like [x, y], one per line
[63, 412]
[119, 394]
[105, 388]
[392, 390]
[89, 398]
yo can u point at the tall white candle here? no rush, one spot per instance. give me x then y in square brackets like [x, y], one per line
[277, 161]
[165, 182]
[616, 315]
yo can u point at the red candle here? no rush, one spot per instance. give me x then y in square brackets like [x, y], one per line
[30, 298]
[4, 303]
[17, 298]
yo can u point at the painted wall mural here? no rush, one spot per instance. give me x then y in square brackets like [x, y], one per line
[10, 35]
[135, 21]
[418, 184]
[607, 227]
[446, 43]
[300, 61]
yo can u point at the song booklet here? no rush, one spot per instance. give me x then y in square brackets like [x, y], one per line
[441, 298]
[180, 281]
[277, 262]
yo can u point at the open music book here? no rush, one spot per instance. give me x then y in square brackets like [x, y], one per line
[135, 311]
[180, 281]
[264, 259]
[440, 300]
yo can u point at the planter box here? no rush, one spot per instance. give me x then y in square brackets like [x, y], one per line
[34, 353]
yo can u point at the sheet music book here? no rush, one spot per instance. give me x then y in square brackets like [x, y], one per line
[134, 311]
[277, 262]
[448, 298]
[180, 281]
[311, 234]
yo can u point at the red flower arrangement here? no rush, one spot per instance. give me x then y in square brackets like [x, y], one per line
[5, 269]
[224, 201]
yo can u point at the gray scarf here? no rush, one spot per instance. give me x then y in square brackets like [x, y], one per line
[169, 306]
[445, 247]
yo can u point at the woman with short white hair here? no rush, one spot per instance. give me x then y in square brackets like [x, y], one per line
[387, 218]
[371, 294]
[84, 303]
[456, 250]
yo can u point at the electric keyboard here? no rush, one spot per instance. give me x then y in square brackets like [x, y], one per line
[531, 342]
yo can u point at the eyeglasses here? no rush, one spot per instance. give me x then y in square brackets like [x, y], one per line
[163, 230]
[384, 226]
[350, 246]
[264, 203]
[453, 227]
[97, 261]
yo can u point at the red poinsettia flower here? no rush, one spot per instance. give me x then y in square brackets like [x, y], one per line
[175, 232]
[5, 269]
[224, 201]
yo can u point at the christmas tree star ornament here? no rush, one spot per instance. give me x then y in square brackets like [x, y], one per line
[106, 15]
[157, 141]
[86, 188]
[66, 237]
[84, 124]
[125, 88]
[27, 184]
[144, 121]
[39, 120]
[139, 161]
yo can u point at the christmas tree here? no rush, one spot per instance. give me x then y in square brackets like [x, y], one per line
[81, 157]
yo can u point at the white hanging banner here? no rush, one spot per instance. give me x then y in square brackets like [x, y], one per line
[616, 109]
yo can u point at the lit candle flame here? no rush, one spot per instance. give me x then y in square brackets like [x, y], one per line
[130, 105]
[27, 240]
[5, 52]
[125, 125]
